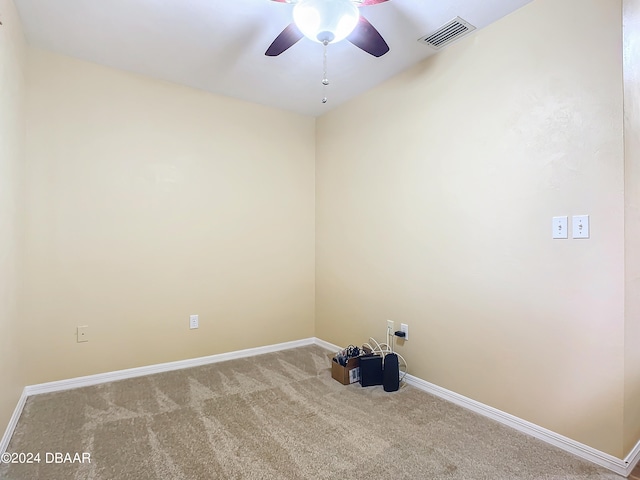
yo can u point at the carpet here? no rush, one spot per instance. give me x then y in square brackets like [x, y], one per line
[273, 416]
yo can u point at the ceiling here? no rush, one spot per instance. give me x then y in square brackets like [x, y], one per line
[219, 45]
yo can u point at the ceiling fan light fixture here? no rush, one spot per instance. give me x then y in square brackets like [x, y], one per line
[326, 20]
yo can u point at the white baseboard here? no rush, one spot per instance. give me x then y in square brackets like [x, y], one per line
[633, 458]
[159, 368]
[135, 372]
[327, 345]
[13, 421]
[621, 467]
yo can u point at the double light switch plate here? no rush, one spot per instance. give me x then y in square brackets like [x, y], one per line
[579, 226]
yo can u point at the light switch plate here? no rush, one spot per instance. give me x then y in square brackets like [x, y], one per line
[560, 228]
[580, 226]
[193, 321]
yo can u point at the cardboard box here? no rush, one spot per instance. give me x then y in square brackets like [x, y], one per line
[346, 374]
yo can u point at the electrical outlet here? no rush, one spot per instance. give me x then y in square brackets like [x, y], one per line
[405, 328]
[193, 321]
[83, 333]
[390, 329]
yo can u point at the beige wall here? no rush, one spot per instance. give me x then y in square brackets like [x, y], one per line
[148, 202]
[435, 194]
[12, 59]
[632, 221]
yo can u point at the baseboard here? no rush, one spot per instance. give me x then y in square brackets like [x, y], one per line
[326, 345]
[136, 372]
[13, 421]
[632, 459]
[621, 467]
[159, 368]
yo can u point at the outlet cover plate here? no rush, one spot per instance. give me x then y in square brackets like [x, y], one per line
[83, 333]
[193, 321]
[405, 328]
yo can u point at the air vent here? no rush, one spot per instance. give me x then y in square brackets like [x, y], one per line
[448, 33]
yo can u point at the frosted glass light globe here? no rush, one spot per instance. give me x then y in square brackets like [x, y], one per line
[326, 20]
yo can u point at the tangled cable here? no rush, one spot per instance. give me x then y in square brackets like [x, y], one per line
[345, 354]
[384, 348]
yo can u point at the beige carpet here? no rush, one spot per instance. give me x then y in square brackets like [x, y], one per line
[275, 416]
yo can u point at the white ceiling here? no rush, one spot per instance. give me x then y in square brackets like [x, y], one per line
[219, 45]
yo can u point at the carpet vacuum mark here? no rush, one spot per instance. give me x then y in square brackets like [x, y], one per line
[273, 416]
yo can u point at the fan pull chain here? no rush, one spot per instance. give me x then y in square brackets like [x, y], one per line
[325, 81]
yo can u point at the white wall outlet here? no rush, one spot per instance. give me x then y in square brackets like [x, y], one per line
[405, 328]
[193, 321]
[82, 333]
[390, 327]
[560, 229]
[580, 226]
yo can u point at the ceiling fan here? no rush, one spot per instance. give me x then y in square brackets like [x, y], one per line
[329, 21]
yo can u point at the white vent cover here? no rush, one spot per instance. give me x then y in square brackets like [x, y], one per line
[448, 33]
